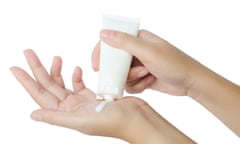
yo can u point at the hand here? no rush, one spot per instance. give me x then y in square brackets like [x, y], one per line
[75, 109]
[175, 73]
[156, 64]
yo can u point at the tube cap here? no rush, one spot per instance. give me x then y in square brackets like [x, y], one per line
[109, 92]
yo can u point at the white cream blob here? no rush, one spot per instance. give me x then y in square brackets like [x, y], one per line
[102, 105]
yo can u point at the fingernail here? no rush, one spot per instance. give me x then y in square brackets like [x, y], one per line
[36, 116]
[142, 73]
[106, 34]
[150, 79]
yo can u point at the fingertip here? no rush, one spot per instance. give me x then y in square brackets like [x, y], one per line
[95, 69]
[96, 57]
[36, 115]
[77, 74]
[77, 81]
[106, 34]
[95, 66]
[127, 42]
[17, 72]
[150, 80]
[56, 66]
[13, 68]
[57, 58]
[27, 51]
[78, 69]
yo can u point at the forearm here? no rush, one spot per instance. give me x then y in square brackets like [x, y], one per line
[150, 128]
[218, 95]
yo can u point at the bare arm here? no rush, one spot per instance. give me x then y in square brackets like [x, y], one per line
[219, 96]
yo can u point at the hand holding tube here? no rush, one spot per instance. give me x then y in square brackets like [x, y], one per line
[157, 64]
[175, 73]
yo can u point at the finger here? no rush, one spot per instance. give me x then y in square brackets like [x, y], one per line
[77, 81]
[136, 73]
[141, 85]
[148, 36]
[42, 75]
[55, 72]
[37, 92]
[96, 57]
[135, 46]
[59, 118]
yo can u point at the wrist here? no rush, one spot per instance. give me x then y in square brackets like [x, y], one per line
[199, 77]
[219, 95]
[205, 83]
[148, 127]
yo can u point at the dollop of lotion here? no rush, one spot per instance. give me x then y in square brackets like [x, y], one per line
[102, 105]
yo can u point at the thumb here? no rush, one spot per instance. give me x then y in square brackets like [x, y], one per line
[59, 118]
[135, 46]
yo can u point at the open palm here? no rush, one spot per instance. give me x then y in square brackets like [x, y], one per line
[72, 109]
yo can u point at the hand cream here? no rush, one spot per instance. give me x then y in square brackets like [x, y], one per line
[115, 63]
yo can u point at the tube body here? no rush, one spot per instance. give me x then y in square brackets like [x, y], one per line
[115, 63]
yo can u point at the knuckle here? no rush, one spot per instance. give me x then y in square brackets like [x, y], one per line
[47, 117]
[134, 89]
[121, 38]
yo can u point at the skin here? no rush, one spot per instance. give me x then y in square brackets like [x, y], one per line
[75, 109]
[157, 65]
[162, 67]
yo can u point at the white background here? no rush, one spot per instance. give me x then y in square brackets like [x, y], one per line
[208, 30]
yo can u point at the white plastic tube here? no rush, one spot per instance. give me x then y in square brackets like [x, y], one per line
[115, 63]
